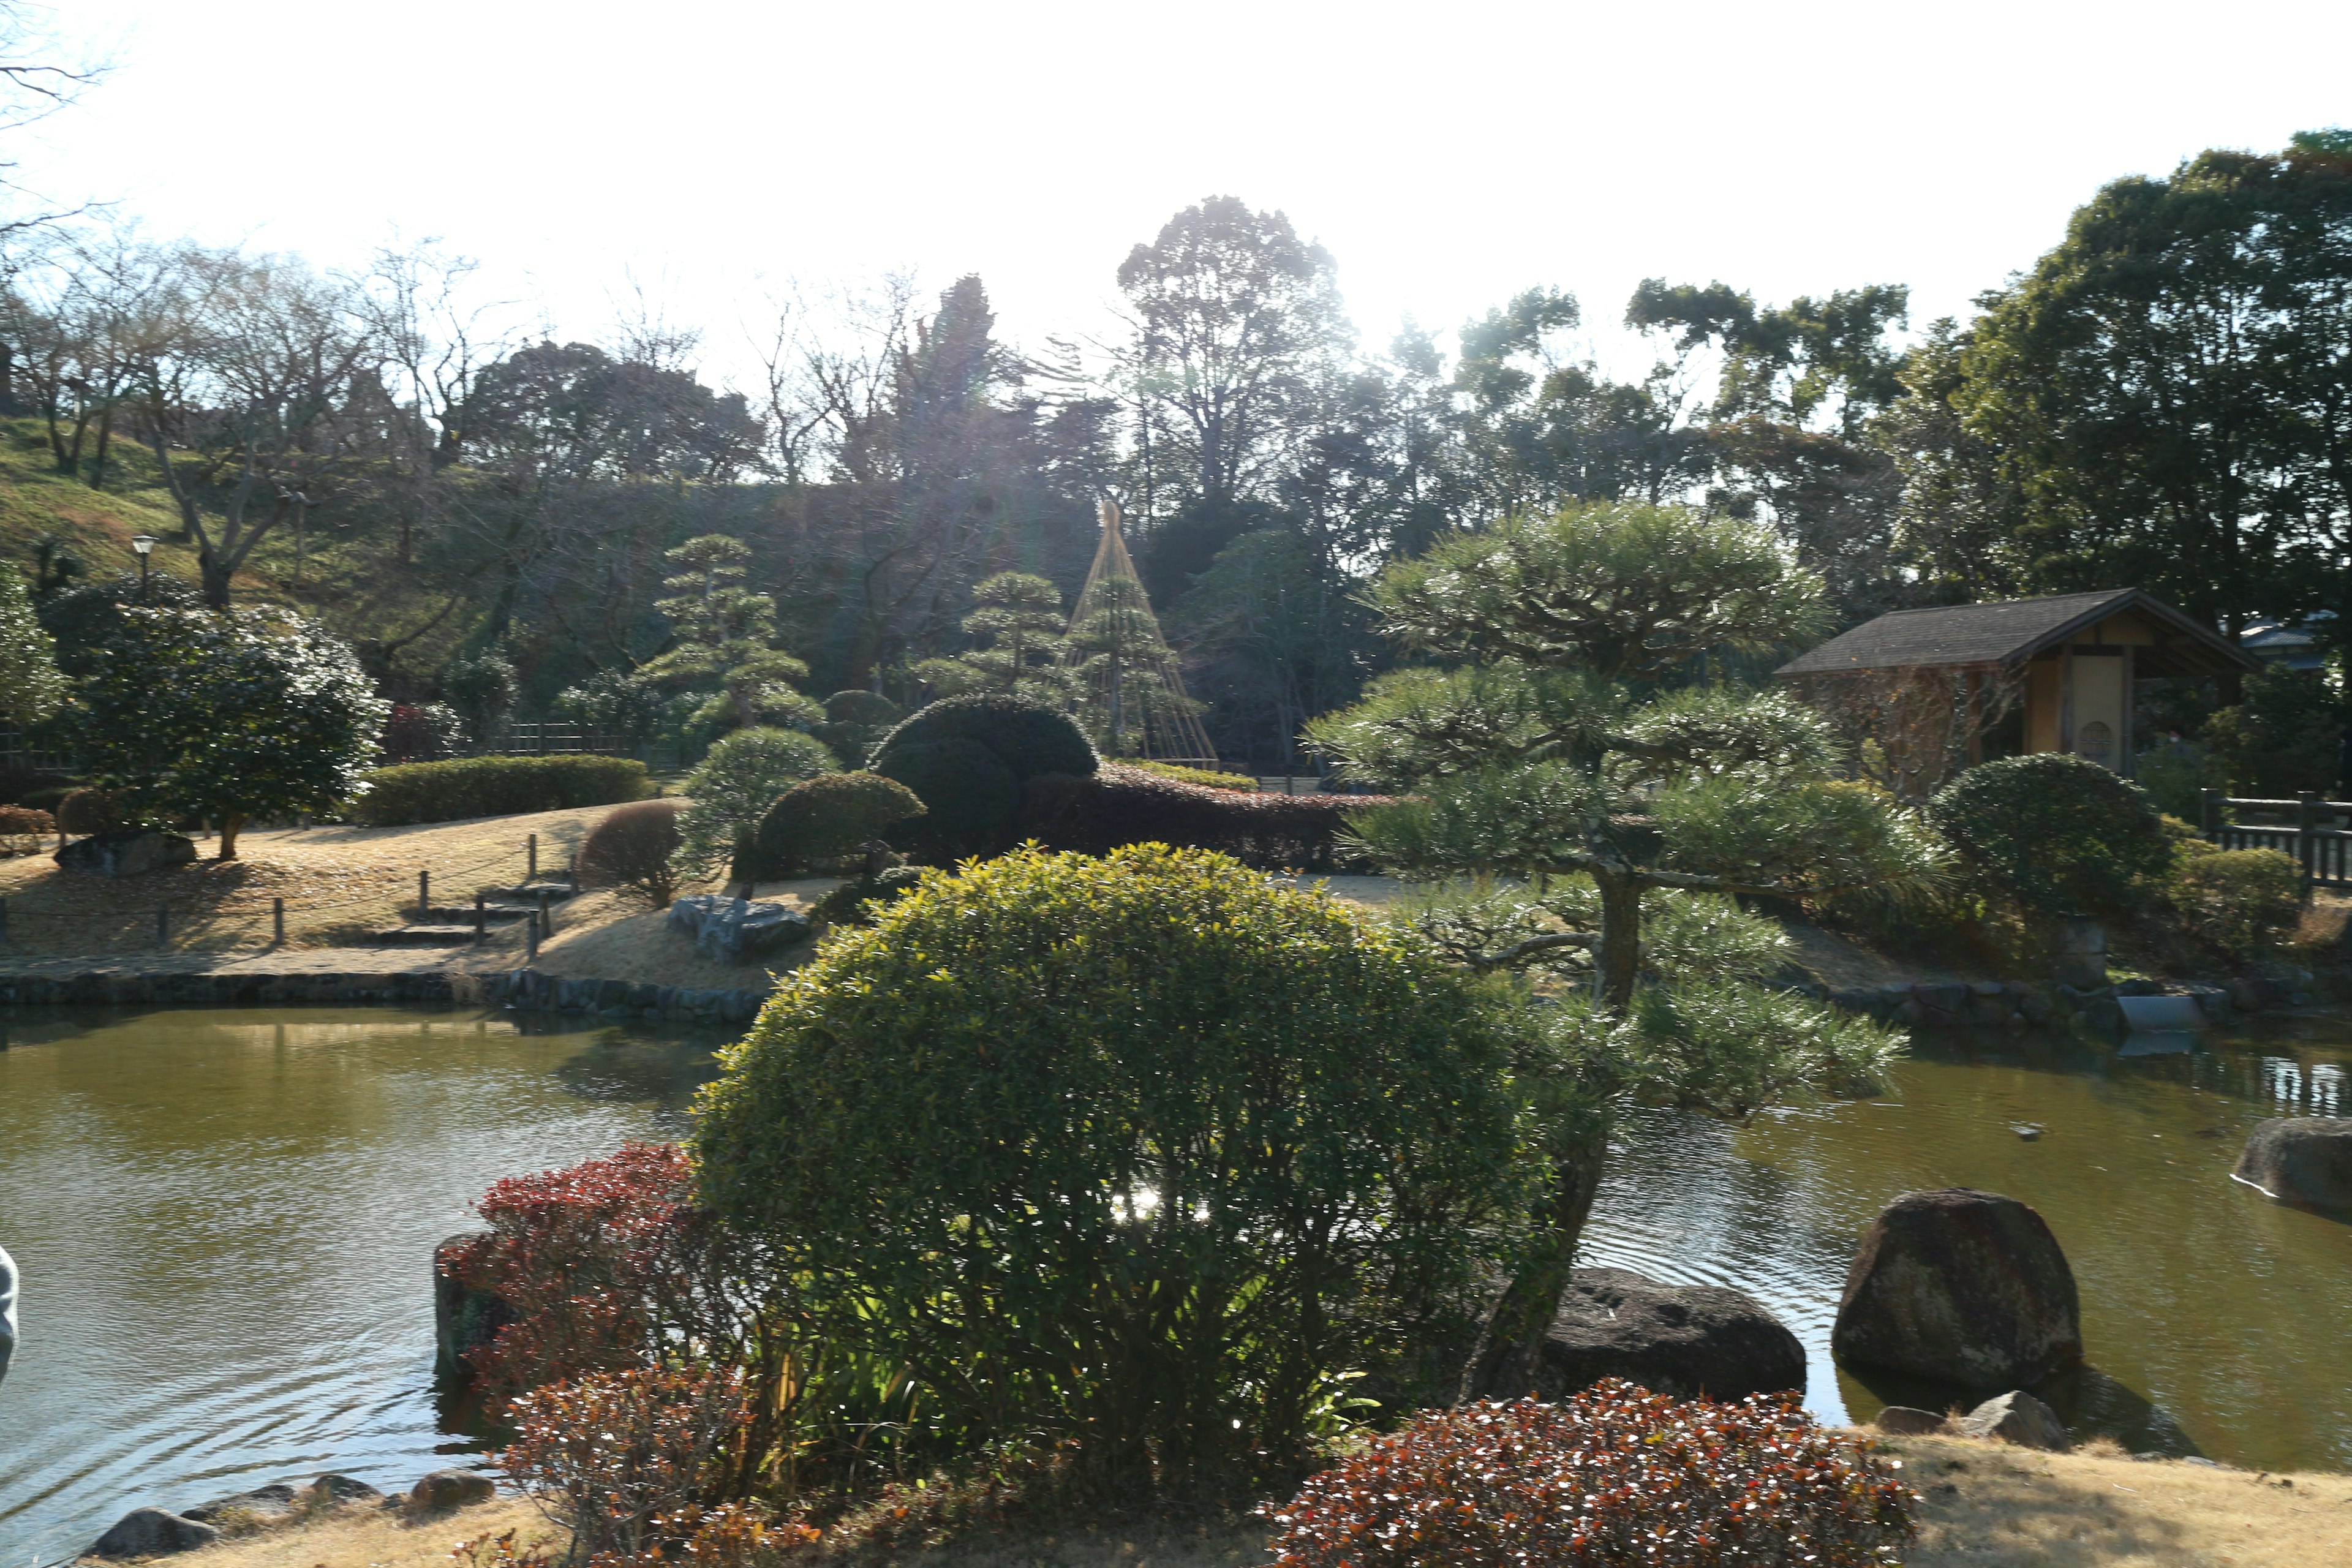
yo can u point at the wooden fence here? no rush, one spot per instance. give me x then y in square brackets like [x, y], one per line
[2307, 830]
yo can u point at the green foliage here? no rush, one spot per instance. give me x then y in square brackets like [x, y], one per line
[2054, 833]
[829, 818]
[1610, 1476]
[1017, 621]
[31, 688]
[726, 633]
[631, 850]
[970, 798]
[1029, 738]
[1206, 777]
[495, 786]
[732, 788]
[854, 720]
[227, 716]
[855, 903]
[615, 703]
[94, 811]
[481, 687]
[2175, 776]
[2284, 737]
[1139, 1151]
[2243, 901]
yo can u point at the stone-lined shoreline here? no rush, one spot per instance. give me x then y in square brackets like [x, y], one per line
[530, 990]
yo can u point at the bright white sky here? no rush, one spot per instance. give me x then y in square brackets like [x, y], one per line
[1449, 155]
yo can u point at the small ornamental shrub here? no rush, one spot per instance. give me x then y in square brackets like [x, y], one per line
[970, 798]
[1123, 804]
[2175, 774]
[856, 903]
[1027, 737]
[1208, 777]
[421, 733]
[24, 829]
[627, 1459]
[2243, 901]
[732, 788]
[2054, 833]
[1139, 1153]
[93, 811]
[495, 786]
[830, 818]
[854, 720]
[1610, 1478]
[631, 848]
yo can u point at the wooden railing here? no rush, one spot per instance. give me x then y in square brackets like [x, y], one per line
[2310, 832]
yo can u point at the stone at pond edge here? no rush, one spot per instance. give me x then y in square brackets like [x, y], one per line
[342, 1489]
[2301, 1160]
[125, 854]
[1678, 1340]
[449, 1489]
[464, 1319]
[1960, 1286]
[1904, 1420]
[274, 1499]
[150, 1532]
[2018, 1418]
[733, 930]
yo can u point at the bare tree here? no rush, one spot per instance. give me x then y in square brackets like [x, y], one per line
[1910, 730]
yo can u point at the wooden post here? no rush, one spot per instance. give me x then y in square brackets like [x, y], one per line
[163, 925]
[424, 895]
[4, 923]
[530, 939]
[2209, 817]
[2306, 836]
[277, 922]
[531, 850]
[481, 921]
[546, 921]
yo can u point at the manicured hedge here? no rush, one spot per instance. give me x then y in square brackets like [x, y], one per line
[1121, 804]
[1208, 776]
[495, 786]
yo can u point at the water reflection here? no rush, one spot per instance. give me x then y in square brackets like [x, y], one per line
[225, 1219]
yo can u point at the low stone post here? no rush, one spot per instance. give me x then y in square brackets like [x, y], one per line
[277, 922]
[530, 852]
[481, 921]
[424, 895]
[2082, 954]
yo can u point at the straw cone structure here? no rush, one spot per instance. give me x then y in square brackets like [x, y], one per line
[1135, 703]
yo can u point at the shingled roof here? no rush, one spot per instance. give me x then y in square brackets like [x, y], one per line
[2008, 633]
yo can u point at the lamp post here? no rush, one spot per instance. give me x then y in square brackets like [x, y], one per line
[145, 544]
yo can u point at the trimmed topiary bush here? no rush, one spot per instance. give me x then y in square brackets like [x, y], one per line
[495, 786]
[854, 720]
[1123, 804]
[1137, 1153]
[1208, 777]
[829, 818]
[2243, 901]
[631, 851]
[2054, 833]
[1609, 1478]
[24, 828]
[738, 779]
[856, 903]
[88, 811]
[1027, 737]
[969, 796]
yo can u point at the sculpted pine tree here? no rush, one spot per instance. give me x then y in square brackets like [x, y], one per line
[1586, 802]
[725, 633]
[1017, 620]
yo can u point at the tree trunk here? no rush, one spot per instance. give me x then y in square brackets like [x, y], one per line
[216, 577]
[1618, 963]
[1510, 1346]
[231, 824]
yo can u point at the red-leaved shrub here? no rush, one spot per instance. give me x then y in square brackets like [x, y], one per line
[1612, 1476]
[23, 829]
[1120, 804]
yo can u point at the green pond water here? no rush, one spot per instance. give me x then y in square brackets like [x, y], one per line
[225, 1221]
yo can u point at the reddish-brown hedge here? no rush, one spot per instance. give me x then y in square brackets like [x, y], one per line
[1612, 1477]
[1121, 804]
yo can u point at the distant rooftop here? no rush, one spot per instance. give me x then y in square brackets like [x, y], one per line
[2012, 631]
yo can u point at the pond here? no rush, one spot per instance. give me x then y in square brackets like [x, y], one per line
[224, 1222]
[225, 1219]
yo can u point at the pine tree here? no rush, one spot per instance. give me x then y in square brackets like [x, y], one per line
[1133, 703]
[726, 633]
[1018, 621]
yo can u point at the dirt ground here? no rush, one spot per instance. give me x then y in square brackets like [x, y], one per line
[1982, 1505]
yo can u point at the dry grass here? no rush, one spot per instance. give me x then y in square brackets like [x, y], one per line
[606, 936]
[364, 1536]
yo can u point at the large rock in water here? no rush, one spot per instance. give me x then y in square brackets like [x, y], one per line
[2301, 1160]
[463, 1317]
[1679, 1340]
[735, 931]
[151, 1532]
[126, 854]
[1963, 1288]
[7, 1311]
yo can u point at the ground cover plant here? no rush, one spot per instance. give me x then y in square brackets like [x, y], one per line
[1137, 1153]
[1609, 1478]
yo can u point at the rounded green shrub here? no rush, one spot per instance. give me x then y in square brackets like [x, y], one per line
[2057, 834]
[94, 811]
[2243, 901]
[858, 706]
[855, 903]
[1139, 1154]
[970, 798]
[737, 779]
[468, 787]
[1027, 737]
[829, 817]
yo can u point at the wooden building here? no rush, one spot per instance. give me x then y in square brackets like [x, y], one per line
[2029, 675]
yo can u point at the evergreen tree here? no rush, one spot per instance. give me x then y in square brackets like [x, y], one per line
[30, 686]
[1018, 620]
[727, 633]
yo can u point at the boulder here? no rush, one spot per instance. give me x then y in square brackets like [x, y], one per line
[151, 1532]
[1905, 1420]
[2017, 1417]
[464, 1319]
[735, 931]
[2301, 1160]
[274, 1499]
[125, 854]
[1678, 1340]
[337, 1490]
[445, 1490]
[1960, 1287]
[7, 1311]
